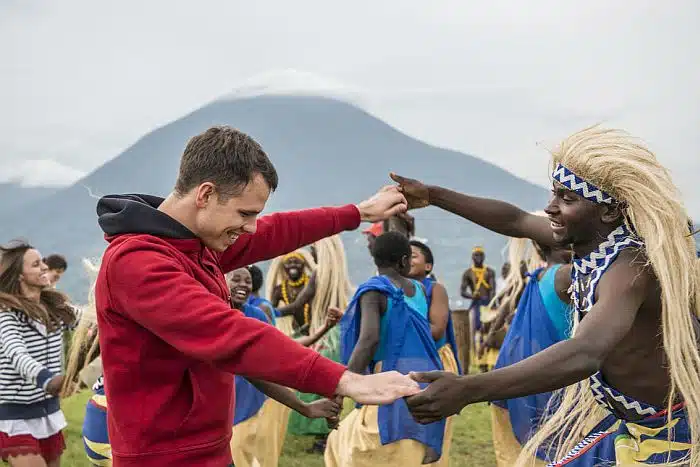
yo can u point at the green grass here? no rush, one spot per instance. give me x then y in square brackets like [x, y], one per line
[471, 442]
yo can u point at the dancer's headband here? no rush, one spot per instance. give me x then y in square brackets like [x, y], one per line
[575, 183]
[477, 249]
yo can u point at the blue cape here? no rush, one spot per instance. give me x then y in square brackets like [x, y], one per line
[530, 332]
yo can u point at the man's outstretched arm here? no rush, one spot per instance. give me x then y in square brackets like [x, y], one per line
[494, 215]
[621, 292]
[150, 287]
[284, 232]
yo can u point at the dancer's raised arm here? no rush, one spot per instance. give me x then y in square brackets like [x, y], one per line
[497, 216]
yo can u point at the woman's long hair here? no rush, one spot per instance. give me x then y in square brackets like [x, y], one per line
[623, 167]
[53, 308]
[85, 344]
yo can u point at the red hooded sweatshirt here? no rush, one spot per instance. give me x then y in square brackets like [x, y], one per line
[170, 341]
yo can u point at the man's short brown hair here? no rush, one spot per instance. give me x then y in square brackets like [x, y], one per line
[226, 157]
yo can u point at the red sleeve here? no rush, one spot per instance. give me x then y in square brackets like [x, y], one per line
[151, 287]
[283, 232]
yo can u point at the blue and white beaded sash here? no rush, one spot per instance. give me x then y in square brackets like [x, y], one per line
[587, 271]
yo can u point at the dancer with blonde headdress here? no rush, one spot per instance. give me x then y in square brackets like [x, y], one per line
[633, 354]
[332, 290]
[286, 279]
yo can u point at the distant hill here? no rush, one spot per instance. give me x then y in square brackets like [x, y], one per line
[14, 196]
[327, 152]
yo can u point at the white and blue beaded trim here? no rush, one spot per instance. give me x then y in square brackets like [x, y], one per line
[575, 183]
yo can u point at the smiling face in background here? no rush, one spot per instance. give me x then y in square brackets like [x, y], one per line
[240, 283]
[34, 274]
[221, 220]
[419, 265]
[294, 267]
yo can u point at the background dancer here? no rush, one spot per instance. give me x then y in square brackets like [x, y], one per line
[332, 291]
[386, 328]
[441, 327]
[255, 299]
[57, 265]
[250, 442]
[634, 350]
[287, 278]
[478, 285]
[161, 292]
[33, 317]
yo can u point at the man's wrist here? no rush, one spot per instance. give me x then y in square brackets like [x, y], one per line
[364, 216]
[346, 381]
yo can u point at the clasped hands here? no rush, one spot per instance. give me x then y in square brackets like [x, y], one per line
[443, 397]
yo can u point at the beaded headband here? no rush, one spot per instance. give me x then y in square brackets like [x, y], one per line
[576, 184]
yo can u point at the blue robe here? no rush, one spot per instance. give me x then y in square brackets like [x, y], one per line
[407, 345]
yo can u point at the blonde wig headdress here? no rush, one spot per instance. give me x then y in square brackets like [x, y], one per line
[333, 288]
[84, 343]
[611, 167]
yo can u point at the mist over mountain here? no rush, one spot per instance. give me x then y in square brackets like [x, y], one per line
[327, 152]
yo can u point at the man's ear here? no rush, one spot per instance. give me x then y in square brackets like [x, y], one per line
[612, 213]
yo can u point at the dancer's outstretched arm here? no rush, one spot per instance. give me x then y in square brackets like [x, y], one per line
[621, 291]
[322, 408]
[497, 216]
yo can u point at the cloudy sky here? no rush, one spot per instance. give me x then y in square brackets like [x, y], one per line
[81, 80]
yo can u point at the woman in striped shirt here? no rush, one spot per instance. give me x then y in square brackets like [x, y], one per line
[33, 317]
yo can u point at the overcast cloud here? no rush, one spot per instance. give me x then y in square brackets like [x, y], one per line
[81, 80]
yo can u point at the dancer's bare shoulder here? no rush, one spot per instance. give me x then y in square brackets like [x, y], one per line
[562, 282]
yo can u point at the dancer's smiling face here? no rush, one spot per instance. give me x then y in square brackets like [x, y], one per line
[240, 283]
[576, 220]
[294, 267]
[220, 220]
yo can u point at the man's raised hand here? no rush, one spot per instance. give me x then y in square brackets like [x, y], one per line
[385, 203]
[376, 389]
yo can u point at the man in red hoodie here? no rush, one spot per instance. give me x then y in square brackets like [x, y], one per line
[170, 341]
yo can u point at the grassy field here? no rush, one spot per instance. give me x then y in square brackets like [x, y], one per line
[471, 443]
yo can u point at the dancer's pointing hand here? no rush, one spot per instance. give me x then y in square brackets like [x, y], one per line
[416, 193]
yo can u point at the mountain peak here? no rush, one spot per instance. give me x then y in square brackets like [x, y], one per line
[290, 81]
